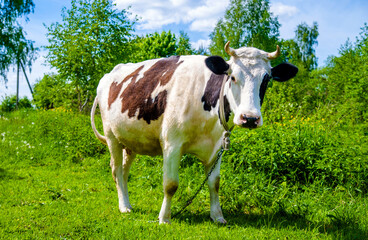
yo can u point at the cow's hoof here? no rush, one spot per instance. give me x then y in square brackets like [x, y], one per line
[220, 220]
[125, 209]
[163, 221]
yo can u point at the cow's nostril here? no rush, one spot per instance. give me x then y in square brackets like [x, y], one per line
[252, 119]
[249, 121]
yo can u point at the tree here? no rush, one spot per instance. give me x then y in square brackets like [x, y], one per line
[154, 45]
[91, 39]
[15, 49]
[11, 33]
[53, 91]
[301, 50]
[306, 40]
[246, 23]
[157, 45]
[184, 46]
[301, 96]
[346, 79]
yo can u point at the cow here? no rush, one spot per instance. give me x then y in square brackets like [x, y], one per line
[170, 107]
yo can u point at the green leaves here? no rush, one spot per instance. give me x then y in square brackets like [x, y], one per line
[14, 46]
[157, 45]
[56, 181]
[246, 23]
[52, 91]
[92, 38]
[301, 151]
[9, 104]
[346, 82]
[302, 48]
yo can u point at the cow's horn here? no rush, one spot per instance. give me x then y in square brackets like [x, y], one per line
[229, 50]
[274, 54]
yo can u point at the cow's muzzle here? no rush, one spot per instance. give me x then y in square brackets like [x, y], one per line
[249, 121]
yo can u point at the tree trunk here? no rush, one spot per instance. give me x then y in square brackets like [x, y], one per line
[85, 103]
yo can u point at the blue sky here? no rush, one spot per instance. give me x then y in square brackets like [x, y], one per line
[337, 21]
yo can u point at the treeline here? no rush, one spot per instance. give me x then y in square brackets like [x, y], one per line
[337, 91]
[94, 36]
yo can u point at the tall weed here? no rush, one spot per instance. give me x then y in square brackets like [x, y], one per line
[35, 137]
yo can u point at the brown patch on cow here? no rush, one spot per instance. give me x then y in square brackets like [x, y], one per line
[217, 184]
[115, 87]
[137, 95]
[171, 188]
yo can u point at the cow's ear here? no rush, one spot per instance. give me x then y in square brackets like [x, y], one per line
[217, 65]
[284, 72]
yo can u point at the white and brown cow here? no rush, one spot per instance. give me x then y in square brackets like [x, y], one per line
[170, 106]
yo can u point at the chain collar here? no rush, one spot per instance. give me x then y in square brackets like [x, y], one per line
[227, 132]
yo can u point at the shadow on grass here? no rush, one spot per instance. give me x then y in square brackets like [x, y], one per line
[339, 228]
[6, 175]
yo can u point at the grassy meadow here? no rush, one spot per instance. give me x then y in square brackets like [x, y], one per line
[298, 178]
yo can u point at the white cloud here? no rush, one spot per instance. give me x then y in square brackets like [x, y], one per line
[201, 15]
[203, 25]
[178, 2]
[208, 9]
[281, 9]
[204, 17]
[153, 14]
[155, 18]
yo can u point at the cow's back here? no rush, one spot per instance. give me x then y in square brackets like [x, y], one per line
[147, 103]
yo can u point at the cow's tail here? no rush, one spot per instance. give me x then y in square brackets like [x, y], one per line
[98, 135]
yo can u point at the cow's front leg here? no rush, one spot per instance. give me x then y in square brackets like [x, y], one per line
[170, 182]
[214, 185]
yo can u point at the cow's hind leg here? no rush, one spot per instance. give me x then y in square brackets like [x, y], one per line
[214, 185]
[120, 163]
[128, 158]
[172, 157]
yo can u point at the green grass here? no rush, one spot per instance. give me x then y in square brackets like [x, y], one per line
[296, 179]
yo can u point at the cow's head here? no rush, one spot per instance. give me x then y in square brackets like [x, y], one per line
[250, 71]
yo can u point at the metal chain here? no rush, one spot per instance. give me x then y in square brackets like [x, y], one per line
[219, 154]
[225, 143]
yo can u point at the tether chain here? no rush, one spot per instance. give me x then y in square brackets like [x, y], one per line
[201, 186]
[224, 146]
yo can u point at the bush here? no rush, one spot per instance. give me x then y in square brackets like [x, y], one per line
[52, 91]
[9, 103]
[38, 137]
[302, 152]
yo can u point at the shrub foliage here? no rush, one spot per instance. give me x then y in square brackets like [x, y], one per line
[9, 104]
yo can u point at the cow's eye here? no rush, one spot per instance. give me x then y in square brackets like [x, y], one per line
[233, 79]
